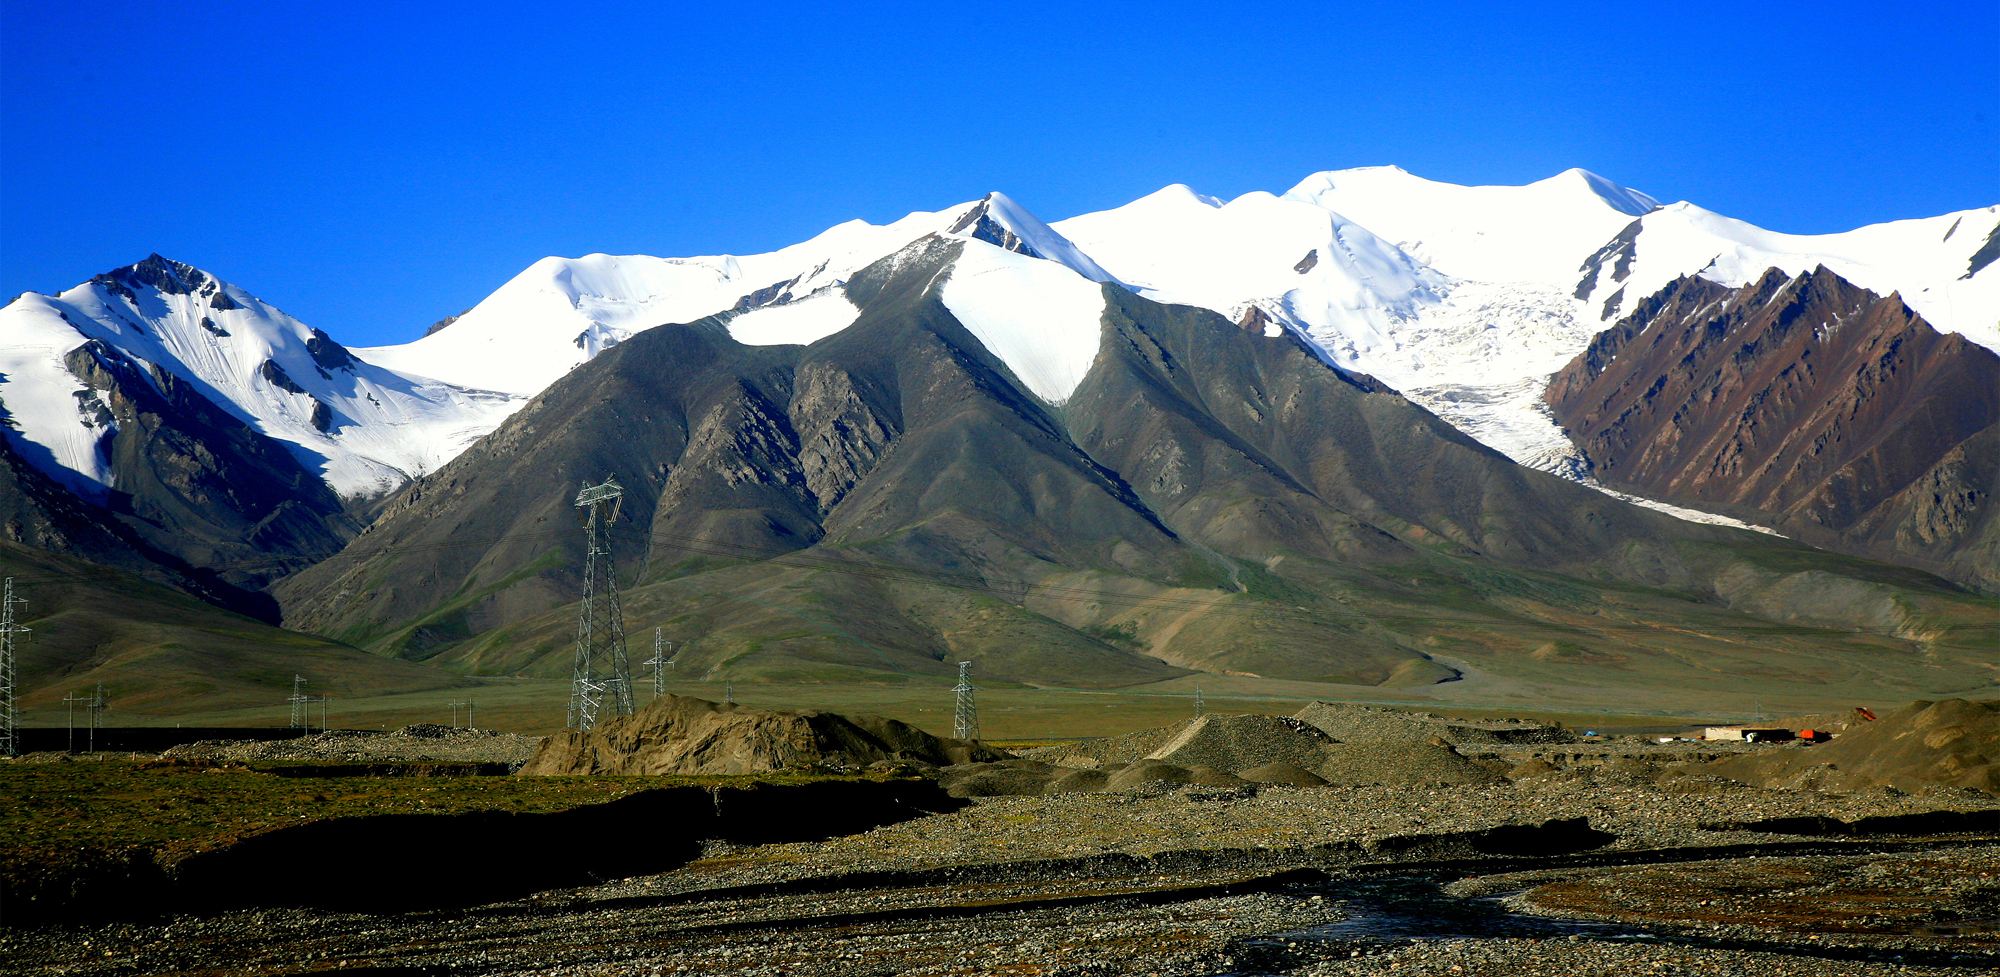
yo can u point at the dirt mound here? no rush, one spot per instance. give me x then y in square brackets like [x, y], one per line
[679, 735]
[1417, 764]
[1367, 724]
[1381, 746]
[1949, 743]
[1090, 754]
[1233, 743]
[1283, 773]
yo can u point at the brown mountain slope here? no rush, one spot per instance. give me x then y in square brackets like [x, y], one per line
[1836, 415]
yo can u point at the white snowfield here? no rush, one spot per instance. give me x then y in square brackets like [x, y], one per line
[1304, 266]
[1463, 297]
[1040, 318]
[1535, 233]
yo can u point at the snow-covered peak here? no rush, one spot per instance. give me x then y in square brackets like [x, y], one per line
[1625, 200]
[1536, 233]
[363, 428]
[1291, 261]
[1927, 261]
[999, 221]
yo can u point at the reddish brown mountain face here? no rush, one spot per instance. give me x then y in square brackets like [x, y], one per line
[1837, 414]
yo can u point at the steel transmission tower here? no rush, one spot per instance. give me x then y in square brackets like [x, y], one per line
[965, 718]
[301, 712]
[1199, 706]
[660, 662]
[9, 744]
[602, 669]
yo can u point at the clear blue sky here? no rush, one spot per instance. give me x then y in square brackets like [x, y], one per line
[370, 170]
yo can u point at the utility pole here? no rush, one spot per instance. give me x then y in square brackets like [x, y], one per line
[69, 718]
[965, 714]
[602, 668]
[660, 662]
[96, 715]
[10, 744]
[455, 707]
[729, 693]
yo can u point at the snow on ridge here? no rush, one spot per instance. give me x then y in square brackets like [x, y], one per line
[1046, 241]
[1924, 260]
[363, 428]
[1538, 232]
[800, 323]
[1290, 263]
[1041, 318]
[560, 312]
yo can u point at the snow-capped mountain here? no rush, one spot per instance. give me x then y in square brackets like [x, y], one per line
[560, 312]
[1938, 265]
[1465, 298]
[364, 429]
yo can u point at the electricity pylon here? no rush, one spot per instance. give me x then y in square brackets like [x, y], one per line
[965, 716]
[602, 668]
[10, 745]
[660, 662]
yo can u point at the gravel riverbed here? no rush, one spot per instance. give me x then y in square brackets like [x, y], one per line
[1195, 881]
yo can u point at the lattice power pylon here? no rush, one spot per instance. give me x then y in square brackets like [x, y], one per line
[603, 671]
[1199, 706]
[301, 704]
[9, 744]
[965, 716]
[660, 662]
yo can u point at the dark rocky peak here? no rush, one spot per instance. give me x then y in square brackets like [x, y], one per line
[1307, 263]
[979, 224]
[164, 274]
[1986, 255]
[441, 324]
[328, 355]
[1254, 319]
[777, 293]
[1616, 253]
[277, 377]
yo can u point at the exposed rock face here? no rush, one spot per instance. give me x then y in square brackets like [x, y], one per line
[679, 735]
[978, 224]
[1837, 415]
[196, 486]
[841, 435]
[1616, 254]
